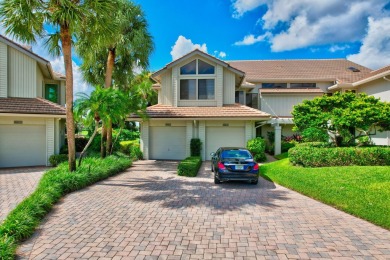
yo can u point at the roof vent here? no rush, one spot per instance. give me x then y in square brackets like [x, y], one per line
[353, 69]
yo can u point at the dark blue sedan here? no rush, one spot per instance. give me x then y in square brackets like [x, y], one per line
[234, 164]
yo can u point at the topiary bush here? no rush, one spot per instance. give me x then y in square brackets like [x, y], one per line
[195, 146]
[56, 159]
[125, 146]
[309, 156]
[257, 147]
[189, 166]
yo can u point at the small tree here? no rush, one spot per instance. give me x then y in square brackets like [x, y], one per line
[345, 117]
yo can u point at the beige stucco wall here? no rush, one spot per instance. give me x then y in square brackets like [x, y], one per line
[379, 88]
[228, 87]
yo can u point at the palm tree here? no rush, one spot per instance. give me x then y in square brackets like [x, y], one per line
[25, 20]
[113, 57]
[105, 105]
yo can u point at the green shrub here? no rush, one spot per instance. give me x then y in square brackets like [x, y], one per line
[309, 156]
[56, 159]
[257, 147]
[22, 221]
[316, 144]
[196, 146]
[125, 135]
[125, 146]
[136, 153]
[286, 146]
[189, 166]
[313, 134]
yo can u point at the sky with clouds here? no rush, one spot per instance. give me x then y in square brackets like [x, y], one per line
[358, 30]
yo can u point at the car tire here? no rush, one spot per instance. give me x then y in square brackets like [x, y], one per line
[216, 181]
[255, 182]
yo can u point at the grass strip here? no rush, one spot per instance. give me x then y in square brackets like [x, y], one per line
[363, 191]
[21, 222]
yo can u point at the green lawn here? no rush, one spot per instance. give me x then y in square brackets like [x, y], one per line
[281, 156]
[363, 191]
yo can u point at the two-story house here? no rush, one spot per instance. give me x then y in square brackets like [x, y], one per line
[228, 103]
[196, 99]
[32, 113]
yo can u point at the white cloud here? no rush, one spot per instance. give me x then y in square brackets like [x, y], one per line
[242, 6]
[375, 50]
[183, 46]
[251, 39]
[336, 48]
[312, 22]
[222, 54]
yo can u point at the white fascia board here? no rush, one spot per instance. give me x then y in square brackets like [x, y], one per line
[32, 115]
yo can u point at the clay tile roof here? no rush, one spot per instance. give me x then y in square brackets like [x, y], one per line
[30, 106]
[326, 70]
[290, 90]
[227, 111]
[379, 71]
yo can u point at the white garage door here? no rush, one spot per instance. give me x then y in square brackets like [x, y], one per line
[223, 137]
[22, 145]
[167, 143]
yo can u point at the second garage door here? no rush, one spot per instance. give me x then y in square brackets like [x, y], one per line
[223, 137]
[167, 143]
[22, 145]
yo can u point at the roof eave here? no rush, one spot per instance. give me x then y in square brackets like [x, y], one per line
[366, 80]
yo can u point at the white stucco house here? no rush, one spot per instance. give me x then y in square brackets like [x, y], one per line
[228, 103]
[32, 113]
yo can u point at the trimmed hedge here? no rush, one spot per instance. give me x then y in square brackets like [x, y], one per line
[189, 166]
[257, 147]
[309, 156]
[20, 224]
[195, 146]
[131, 148]
[56, 159]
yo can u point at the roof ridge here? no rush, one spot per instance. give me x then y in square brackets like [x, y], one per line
[287, 60]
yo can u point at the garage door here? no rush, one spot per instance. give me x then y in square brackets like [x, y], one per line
[22, 145]
[223, 136]
[167, 143]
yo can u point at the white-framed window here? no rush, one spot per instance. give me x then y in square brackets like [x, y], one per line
[197, 81]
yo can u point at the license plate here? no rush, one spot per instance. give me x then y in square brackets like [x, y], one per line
[239, 167]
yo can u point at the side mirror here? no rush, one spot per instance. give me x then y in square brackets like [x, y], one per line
[212, 154]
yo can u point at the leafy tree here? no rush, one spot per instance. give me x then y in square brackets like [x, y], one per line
[142, 86]
[340, 115]
[25, 20]
[111, 58]
[105, 105]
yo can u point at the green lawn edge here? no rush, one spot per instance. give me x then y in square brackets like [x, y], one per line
[20, 224]
[362, 191]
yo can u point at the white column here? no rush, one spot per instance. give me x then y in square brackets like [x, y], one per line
[278, 139]
[202, 137]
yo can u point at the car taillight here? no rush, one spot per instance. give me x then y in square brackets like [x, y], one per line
[221, 166]
[256, 167]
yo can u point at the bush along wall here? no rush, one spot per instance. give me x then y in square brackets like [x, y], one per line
[309, 156]
[195, 146]
[257, 147]
[20, 224]
[189, 166]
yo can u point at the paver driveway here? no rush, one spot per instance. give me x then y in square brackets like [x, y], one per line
[15, 185]
[148, 212]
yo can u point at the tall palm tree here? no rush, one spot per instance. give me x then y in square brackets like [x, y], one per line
[25, 20]
[113, 57]
[104, 104]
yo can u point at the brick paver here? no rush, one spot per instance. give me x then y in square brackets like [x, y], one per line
[15, 185]
[150, 213]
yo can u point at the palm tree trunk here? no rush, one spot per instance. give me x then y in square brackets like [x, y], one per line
[66, 42]
[89, 142]
[108, 83]
[103, 142]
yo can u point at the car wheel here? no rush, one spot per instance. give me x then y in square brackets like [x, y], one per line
[216, 181]
[255, 182]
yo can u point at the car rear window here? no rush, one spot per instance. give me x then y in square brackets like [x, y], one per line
[242, 154]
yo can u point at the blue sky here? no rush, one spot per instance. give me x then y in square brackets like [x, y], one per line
[358, 30]
[278, 29]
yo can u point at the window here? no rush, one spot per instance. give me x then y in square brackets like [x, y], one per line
[51, 92]
[274, 85]
[197, 81]
[252, 100]
[239, 97]
[303, 85]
